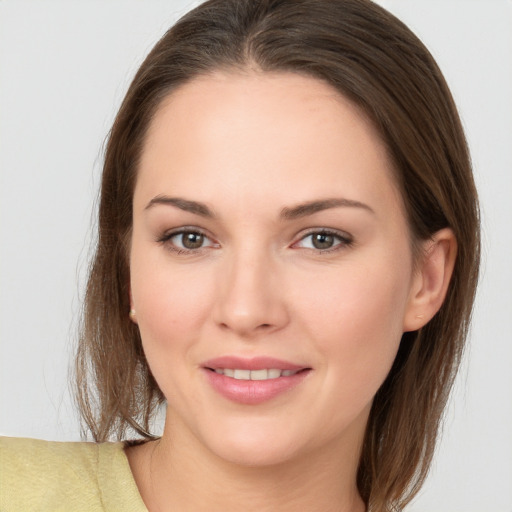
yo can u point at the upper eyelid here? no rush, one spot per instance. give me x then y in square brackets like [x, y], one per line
[166, 235]
[329, 231]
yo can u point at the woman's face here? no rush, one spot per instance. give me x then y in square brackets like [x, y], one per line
[271, 269]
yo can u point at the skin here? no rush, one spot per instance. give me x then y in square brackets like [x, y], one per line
[248, 146]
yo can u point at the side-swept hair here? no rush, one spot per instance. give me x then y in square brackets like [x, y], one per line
[373, 59]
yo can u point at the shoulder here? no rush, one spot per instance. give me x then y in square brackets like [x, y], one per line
[43, 475]
[32, 455]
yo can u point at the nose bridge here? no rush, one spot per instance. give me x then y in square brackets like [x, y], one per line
[249, 298]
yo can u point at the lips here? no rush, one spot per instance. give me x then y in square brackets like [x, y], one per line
[264, 374]
[252, 381]
[255, 363]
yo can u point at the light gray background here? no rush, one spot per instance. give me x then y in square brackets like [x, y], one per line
[64, 67]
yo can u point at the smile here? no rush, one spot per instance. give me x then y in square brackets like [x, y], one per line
[253, 381]
[264, 374]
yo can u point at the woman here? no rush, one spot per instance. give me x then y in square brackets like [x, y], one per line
[287, 256]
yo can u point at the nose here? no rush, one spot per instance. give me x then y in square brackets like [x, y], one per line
[250, 300]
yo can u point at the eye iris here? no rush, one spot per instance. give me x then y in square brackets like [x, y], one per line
[192, 240]
[323, 241]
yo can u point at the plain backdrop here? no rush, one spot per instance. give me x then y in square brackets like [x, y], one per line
[64, 67]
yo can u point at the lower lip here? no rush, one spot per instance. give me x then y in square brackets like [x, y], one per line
[253, 392]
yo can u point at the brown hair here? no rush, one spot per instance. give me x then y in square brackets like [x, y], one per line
[372, 58]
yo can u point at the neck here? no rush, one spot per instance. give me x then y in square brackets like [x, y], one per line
[178, 473]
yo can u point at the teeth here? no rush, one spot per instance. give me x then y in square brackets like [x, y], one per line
[242, 374]
[272, 373]
[259, 374]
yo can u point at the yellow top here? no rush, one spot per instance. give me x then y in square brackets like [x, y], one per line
[72, 477]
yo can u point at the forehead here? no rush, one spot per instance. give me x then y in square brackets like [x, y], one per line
[261, 134]
[256, 106]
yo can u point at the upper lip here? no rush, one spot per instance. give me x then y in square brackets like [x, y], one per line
[253, 363]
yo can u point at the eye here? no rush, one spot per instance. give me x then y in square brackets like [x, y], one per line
[186, 241]
[324, 240]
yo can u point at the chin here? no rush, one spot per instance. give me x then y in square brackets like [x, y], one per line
[256, 456]
[255, 447]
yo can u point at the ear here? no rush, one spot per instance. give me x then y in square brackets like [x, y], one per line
[132, 314]
[431, 279]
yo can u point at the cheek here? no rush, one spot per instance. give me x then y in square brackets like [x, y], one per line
[357, 326]
[170, 319]
[357, 298]
[169, 314]
[169, 307]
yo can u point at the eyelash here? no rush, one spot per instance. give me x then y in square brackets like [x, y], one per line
[344, 240]
[166, 238]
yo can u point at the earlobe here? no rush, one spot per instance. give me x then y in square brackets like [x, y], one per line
[132, 314]
[431, 280]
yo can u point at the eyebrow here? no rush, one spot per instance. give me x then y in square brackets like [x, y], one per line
[183, 204]
[311, 207]
[287, 213]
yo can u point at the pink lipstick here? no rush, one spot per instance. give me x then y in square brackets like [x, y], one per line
[252, 381]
